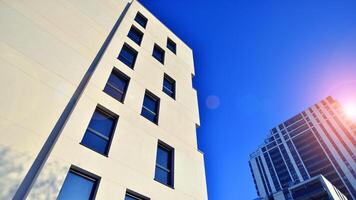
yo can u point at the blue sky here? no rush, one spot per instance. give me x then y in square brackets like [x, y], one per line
[257, 64]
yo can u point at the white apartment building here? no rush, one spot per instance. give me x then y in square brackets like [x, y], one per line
[97, 103]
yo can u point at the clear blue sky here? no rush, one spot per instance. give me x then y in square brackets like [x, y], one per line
[257, 64]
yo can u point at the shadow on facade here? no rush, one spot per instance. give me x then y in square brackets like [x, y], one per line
[12, 171]
[14, 166]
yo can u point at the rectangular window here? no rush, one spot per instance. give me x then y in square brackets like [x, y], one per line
[164, 164]
[150, 107]
[140, 19]
[158, 53]
[78, 185]
[100, 131]
[171, 45]
[135, 35]
[117, 85]
[169, 86]
[130, 195]
[128, 55]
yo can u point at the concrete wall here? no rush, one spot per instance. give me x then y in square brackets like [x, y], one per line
[46, 46]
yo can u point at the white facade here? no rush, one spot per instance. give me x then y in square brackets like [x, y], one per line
[318, 141]
[46, 48]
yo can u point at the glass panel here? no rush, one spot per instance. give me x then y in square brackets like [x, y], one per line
[164, 157]
[95, 142]
[102, 123]
[169, 92]
[127, 53]
[168, 84]
[150, 116]
[171, 45]
[150, 104]
[162, 176]
[140, 19]
[127, 56]
[135, 35]
[118, 82]
[76, 187]
[132, 197]
[158, 54]
[114, 93]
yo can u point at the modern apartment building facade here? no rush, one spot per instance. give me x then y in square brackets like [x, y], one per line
[317, 141]
[97, 102]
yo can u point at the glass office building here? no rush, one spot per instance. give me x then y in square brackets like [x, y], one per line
[317, 141]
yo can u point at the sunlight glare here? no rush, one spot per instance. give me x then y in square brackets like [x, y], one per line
[350, 111]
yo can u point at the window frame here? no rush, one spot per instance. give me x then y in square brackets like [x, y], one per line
[169, 149]
[107, 113]
[130, 49]
[170, 41]
[141, 16]
[86, 175]
[135, 195]
[134, 30]
[154, 98]
[171, 81]
[156, 46]
[121, 76]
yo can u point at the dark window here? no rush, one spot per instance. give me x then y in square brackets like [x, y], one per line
[99, 132]
[164, 164]
[158, 53]
[130, 195]
[128, 55]
[140, 19]
[78, 186]
[293, 120]
[135, 35]
[150, 107]
[117, 85]
[169, 86]
[171, 46]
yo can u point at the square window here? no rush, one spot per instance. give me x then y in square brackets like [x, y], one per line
[128, 55]
[140, 19]
[135, 35]
[164, 164]
[169, 86]
[150, 107]
[117, 85]
[99, 133]
[78, 185]
[158, 53]
[171, 45]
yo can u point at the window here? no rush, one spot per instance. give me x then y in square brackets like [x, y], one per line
[78, 186]
[164, 164]
[135, 35]
[150, 107]
[130, 195]
[128, 56]
[158, 53]
[171, 45]
[99, 132]
[140, 19]
[117, 85]
[169, 86]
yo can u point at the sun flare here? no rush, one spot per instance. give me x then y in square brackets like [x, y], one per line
[350, 111]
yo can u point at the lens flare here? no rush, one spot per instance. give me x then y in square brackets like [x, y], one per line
[350, 111]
